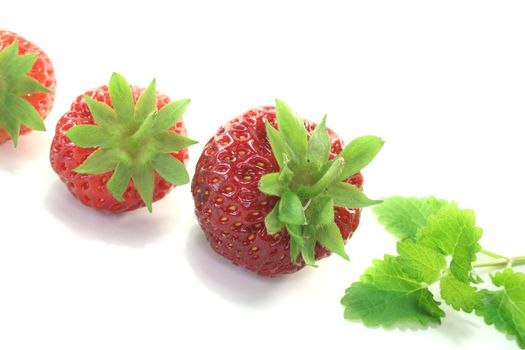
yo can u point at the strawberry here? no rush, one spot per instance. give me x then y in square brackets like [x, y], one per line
[27, 87]
[273, 201]
[121, 147]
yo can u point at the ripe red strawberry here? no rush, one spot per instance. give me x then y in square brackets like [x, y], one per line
[27, 87]
[121, 147]
[272, 201]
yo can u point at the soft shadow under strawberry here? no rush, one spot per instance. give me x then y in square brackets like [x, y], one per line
[135, 230]
[230, 282]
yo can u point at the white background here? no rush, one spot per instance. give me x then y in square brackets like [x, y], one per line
[443, 82]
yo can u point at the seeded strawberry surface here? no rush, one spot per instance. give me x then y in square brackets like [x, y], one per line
[91, 189]
[230, 207]
[42, 71]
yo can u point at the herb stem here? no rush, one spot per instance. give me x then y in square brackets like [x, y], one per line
[492, 255]
[518, 260]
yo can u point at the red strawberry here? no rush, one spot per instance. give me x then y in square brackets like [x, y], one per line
[27, 86]
[121, 147]
[272, 201]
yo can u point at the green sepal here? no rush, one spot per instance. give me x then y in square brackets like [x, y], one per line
[171, 169]
[272, 222]
[170, 114]
[133, 141]
[319, 145]
[171, 142]
[308, 249]
[98, 162]
[292, 129]
[358, 154]
[143, 179]
[121, 97]
[291, 209]
[271, 185]
[330, 237]
[119, 181]
[27, 114]
[295, 242]
[15, 84]
[346, 195]
[27, 85]
[310, 184]
[104, 115]
[88, 136]
[146, 102]
[328, 178]
[279, 147]
[320, 210]
[296, 232]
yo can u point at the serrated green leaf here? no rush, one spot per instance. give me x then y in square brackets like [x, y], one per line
[359, 153]
[170, 114]
[171, 169]
[103, 114]
[144, 181]
[386, 296]
[292, 130]
[272, 222]
[271, 185]
[404, 216]
[89, 136]
[453, 232]
[119, 181]
[171, 142]
[505, 308]
[121, 97]
[330, 237]
[419, 262]
[291, 209]
[319, 145]
[279, 147]
[346, 195]
[459, 295]
[98, 162]
[147, 101]
[320, 211]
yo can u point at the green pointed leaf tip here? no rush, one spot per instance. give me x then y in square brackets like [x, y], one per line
[505, 308]
[16, 111]
[404, 216]
[386, 296]
[133, 141]
[310, 185]
[453, 232]
[396, 289]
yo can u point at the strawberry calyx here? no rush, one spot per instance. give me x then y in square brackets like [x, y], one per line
[133, 140]
[310, 184]
[16, 111]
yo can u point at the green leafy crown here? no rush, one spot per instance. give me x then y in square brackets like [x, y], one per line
[309, 184]
[14, 84]
[133, 141]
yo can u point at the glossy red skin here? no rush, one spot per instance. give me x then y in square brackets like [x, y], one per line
[91, 189]
[42, 71]
[231, 209]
